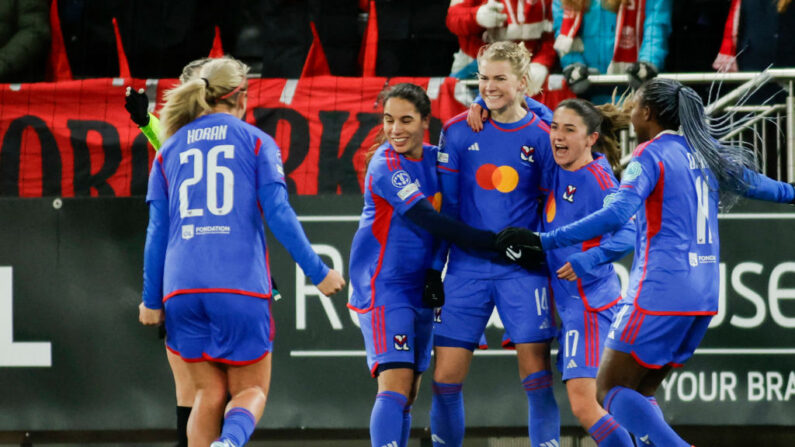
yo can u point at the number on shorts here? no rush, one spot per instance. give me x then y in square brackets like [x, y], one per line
[570, 348]
[213, 171]
[542, 304]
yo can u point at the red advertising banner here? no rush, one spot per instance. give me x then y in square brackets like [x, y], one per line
[75, 138]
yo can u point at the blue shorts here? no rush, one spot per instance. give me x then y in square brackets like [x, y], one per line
[581, 338]
[397, 336]
[656, 340]
[523, 304]
[221, 327]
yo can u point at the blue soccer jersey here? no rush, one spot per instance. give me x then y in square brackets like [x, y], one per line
[572, 196]
[675, 271]
[499, 171]
[387, 247]
[209, 172]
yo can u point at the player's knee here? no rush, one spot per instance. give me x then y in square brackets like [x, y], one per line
[212, 395]
[251, 392]
[583, 408]
[448, 375]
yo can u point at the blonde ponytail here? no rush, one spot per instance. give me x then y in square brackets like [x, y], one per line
[218, 82]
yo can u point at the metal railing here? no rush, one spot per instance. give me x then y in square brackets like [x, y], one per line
[767, 128]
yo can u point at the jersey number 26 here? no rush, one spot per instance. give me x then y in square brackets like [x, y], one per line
[213, 171]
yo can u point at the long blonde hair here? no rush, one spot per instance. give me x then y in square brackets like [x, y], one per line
[218, 82]
[515, 54]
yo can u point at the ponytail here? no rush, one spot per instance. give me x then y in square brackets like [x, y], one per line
[674, 105]
[607, 120]
[614, 120]
[218, 82]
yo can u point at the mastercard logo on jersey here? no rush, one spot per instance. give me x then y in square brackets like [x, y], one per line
[551, 208]
[502, 178]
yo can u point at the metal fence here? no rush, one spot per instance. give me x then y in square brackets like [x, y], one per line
[759, 107]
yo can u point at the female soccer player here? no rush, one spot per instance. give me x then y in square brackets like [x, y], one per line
[584, 141]
[137, 104]
[673, 186]
[490, 180]
[391, 255]
[205, 259]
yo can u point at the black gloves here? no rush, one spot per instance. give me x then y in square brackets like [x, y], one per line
[138, 105]
[577, 78]
[275, 294]
[433, 294]
[521, 246]
[640, 72]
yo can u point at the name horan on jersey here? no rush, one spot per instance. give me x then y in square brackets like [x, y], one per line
[188, 231]
[207, 133]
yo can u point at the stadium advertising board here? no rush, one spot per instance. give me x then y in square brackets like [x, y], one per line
[73, 356]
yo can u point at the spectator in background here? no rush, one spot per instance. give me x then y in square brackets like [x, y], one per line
[758, 34]
[24, 36]
[477, 22]
[586, 33]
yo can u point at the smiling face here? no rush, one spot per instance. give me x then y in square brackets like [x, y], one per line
[404, 127]
[570, 139]
[499, 86]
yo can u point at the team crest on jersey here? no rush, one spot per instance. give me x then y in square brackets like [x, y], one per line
[402, 342]
[693, 259]
[437, 314]
[400, 179]
[568, 195]
[632, 172]
[187, 231]
[527, 154]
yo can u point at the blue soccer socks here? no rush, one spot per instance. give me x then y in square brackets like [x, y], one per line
[638, 415]
[447, 415]
[543, 416]
[608, 433]
[404, 437]
[387, 419]
[238, 426]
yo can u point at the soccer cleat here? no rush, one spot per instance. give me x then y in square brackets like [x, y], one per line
[224, 443]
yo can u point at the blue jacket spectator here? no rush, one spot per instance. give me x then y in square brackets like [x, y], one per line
[599, 30]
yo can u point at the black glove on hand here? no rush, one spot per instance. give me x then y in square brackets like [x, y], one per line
[138, 105]
[521, 246]
[275, 290]
[640, 72]
[577, 78]
[433, 294]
